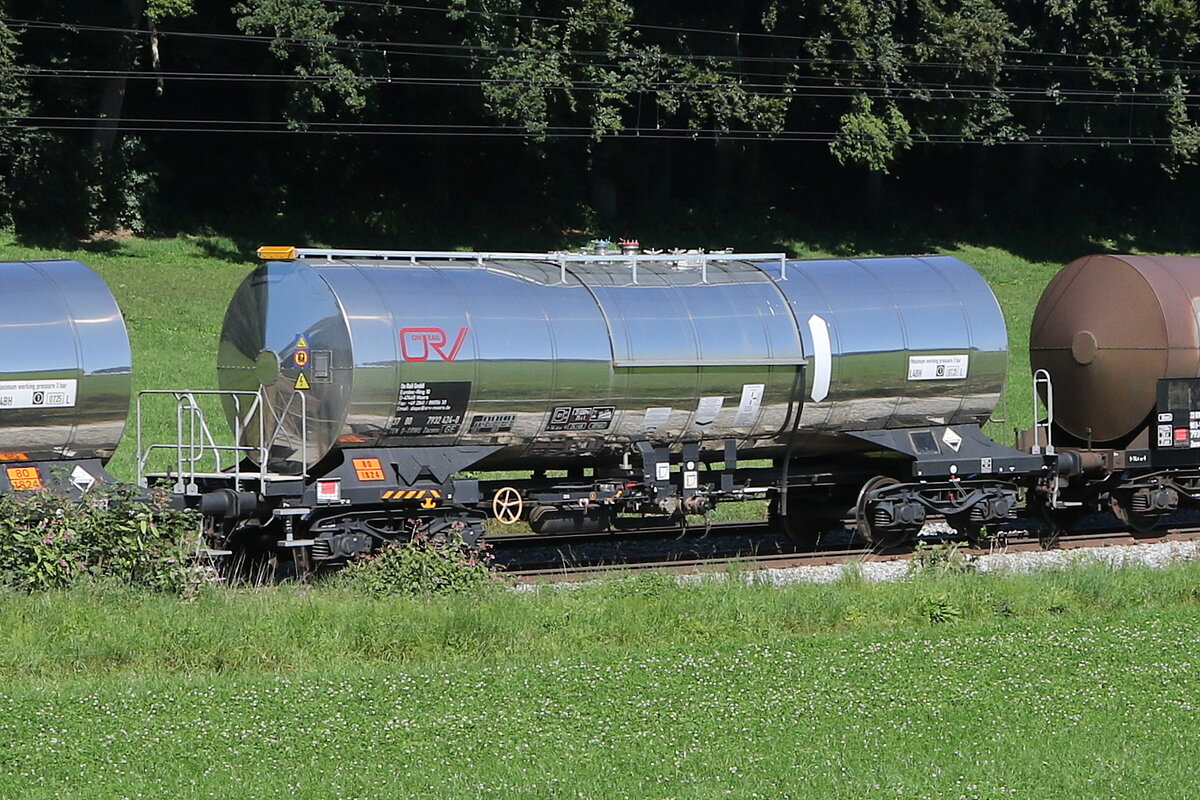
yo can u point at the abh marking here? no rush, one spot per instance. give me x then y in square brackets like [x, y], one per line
[416, 344]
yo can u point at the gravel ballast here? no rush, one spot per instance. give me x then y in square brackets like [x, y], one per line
[1155, 555]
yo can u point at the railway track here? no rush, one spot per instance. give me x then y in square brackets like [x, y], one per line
[840, 555]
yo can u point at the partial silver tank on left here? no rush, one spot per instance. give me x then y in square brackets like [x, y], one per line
[65, 363]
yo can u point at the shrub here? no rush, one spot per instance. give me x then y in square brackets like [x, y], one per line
[941, 559]
[938, 609]
[423, 565]
[48, 541]
[640, 584]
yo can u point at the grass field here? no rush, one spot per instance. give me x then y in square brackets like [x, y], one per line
[1073, 684]
[173, 293]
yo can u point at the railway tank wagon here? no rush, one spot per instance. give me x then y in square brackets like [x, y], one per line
[1115, 347]
[650, 379]
[65, 377]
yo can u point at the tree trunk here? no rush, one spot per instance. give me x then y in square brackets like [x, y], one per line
[112, 95]
[603, 185]
[874, 193]
[977, 190]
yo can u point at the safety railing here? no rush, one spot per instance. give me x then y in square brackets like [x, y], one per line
[198, 452]
[689, 259]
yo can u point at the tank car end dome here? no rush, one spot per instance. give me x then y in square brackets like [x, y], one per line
[1106, 329]
[65, 362]
[282, 323]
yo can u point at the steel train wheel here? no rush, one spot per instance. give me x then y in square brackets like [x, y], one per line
[962, 524]
[803, 531]
[1138, 523]
[883, 540]
[507, 505]
[1061, 520]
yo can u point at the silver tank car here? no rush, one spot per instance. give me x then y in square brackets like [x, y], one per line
[552, 356]
[65, 370]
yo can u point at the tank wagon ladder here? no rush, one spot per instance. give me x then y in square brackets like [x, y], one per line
[1043, 428]
[195, 441]
[210, 475]
[1061, 513]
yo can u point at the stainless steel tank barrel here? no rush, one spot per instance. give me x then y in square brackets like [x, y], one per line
[896, 342]
[1106, 328]
[65, 369]
[553, 357]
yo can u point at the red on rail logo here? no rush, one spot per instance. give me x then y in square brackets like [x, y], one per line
[418, 344]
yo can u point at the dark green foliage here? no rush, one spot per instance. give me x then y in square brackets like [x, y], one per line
[307, 42]
[50, 542]
[944, 558]
[938, 609]
[423, 565]
[14, 103]
[523, 123]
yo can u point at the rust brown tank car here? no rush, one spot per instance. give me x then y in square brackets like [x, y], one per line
[1106, 329]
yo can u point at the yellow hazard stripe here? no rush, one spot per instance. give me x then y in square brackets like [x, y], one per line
[411, 494]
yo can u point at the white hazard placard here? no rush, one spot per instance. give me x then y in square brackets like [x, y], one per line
[938, 368]
[82, 479]
[38, 394]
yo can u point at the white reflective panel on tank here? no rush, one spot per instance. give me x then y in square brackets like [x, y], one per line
[822, 357]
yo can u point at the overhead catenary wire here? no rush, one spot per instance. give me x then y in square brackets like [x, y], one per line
[470, 51]
[943, 93]
[552, 132]
[783, 85]
[737, 34]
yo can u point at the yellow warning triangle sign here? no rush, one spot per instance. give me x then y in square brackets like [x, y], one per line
[301, 381]
[301, 343]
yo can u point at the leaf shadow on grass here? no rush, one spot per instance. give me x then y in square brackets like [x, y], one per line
[223, 249]
[1032, 241]
[101, 246]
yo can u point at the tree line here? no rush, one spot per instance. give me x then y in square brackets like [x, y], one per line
[388, 120]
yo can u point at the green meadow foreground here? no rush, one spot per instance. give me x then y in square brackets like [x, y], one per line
[1074, 684]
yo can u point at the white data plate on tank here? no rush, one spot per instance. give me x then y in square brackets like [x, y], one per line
[938, 368]
[38, 394]
[752, 395]
[656, 419]
[707, 410]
